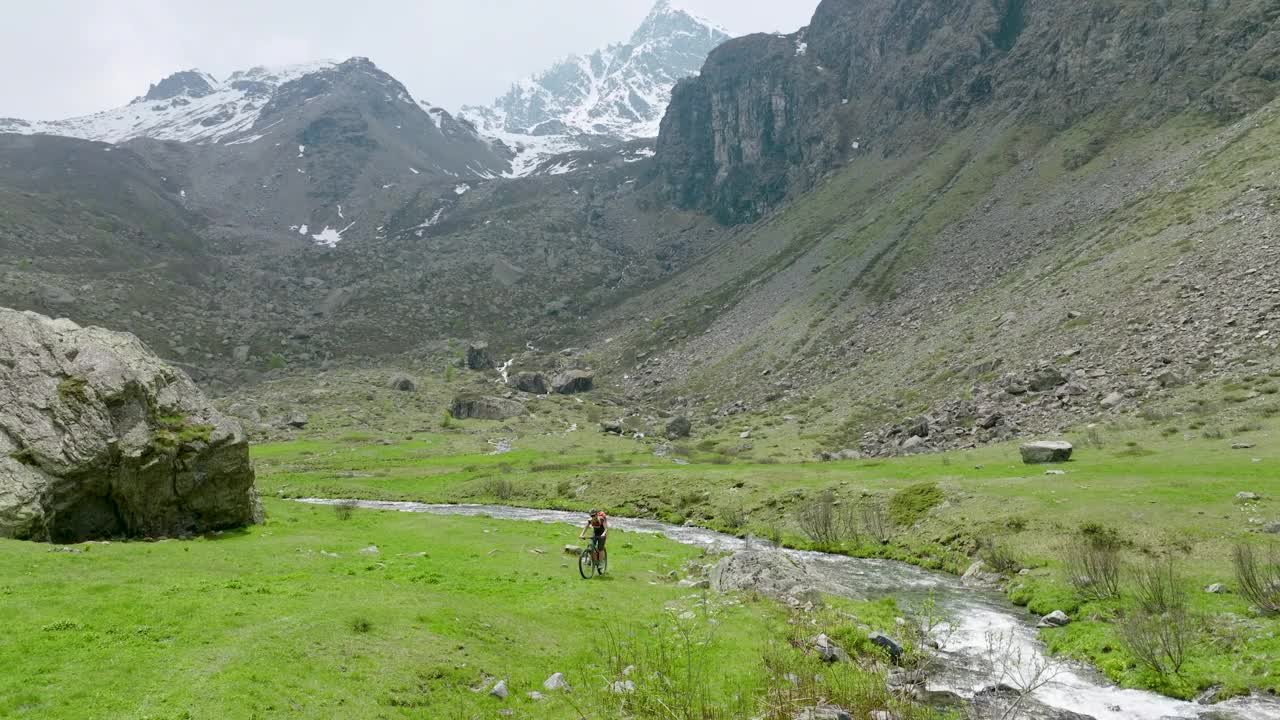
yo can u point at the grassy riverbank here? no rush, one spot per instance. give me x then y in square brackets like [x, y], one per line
[300, 618]
[1167, 496]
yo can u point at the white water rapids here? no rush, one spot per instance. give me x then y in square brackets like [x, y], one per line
[977, 615]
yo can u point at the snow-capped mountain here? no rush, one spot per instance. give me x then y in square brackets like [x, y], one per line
[615, 94]
[193, 106]
[190, 106]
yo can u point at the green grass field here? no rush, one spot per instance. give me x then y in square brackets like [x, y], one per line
[1169, 496]
[292, 620]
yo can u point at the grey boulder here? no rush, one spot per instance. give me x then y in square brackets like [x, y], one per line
[573, 382]
[1046, 451]
[99, 437]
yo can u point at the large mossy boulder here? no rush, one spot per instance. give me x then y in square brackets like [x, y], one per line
[99, 438]
[483, 407]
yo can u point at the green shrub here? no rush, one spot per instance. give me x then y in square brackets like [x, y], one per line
[909, 505]
[74, 389]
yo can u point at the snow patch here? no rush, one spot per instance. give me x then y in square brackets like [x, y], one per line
[461, 189]
[330, 237]
[414, 171]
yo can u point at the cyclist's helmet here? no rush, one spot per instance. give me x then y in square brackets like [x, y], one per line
[595, 513]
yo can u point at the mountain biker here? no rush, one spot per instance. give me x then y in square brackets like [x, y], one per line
[598, 524]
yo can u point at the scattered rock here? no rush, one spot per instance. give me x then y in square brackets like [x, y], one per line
[612, 427]
[1046, 380]
[403, 383]
[829, 651]
[1055, 619]
[1271, 528]
[1046, 451]
[298, 420]
[823, 712]
[371, 550]
[978, 576]
[1112, 400]
[555, 682]
[1243, 446]
[886, 642]
[536, 696]
[622, 687]
[571, 550]
[1247, 497]
[499, 690]
[1216, 589]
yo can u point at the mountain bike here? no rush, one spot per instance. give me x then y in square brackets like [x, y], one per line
[588, 565]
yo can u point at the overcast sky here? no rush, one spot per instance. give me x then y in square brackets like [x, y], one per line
[62, 58]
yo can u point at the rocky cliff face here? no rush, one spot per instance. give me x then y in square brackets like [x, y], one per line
[98, 437]
[769, 115]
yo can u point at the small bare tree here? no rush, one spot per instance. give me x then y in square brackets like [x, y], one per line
[1158, 641]
[825, 522]
[1258, 578]
[875, 523]
[1158, 587]
[1019, 671]
[1094, 563]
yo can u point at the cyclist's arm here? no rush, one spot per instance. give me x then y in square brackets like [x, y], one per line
[605, 523]
[583, 534]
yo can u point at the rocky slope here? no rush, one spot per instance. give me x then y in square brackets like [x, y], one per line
[613, 95]
[770, 115]
[978, 267]
[98, 437]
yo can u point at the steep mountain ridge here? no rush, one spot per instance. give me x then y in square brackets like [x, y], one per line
[613, 95]
[769, 115]
[1057, 247]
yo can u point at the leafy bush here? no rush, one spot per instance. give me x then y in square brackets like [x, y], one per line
[500, 488]
[345, 509]
[361, 625]
[1000, 557]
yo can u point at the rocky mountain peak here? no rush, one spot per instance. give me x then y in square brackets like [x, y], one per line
[615, 94]
[187, 83]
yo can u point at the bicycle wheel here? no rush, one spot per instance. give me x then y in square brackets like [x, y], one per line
[585, 565]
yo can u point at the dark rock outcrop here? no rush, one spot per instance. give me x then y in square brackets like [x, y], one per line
[482, 407]
[99, 437]
[770, 114]
[531, 382]
[573, 382]
[478, 357]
